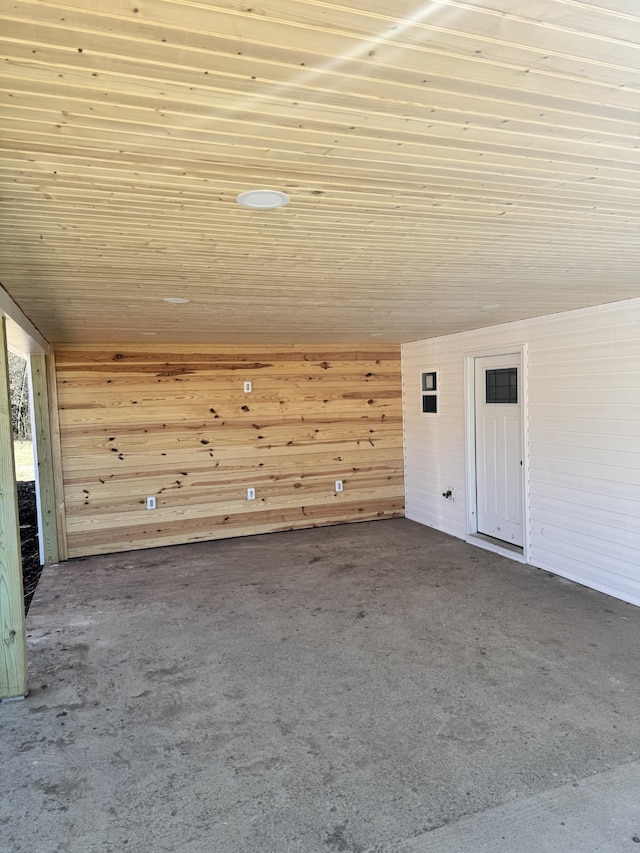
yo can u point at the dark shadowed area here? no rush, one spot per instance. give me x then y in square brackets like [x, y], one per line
[31, 568]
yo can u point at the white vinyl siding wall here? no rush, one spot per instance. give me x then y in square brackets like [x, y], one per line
[582, 431]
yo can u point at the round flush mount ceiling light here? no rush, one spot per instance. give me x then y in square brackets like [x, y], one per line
[176, 300]
[263, 199]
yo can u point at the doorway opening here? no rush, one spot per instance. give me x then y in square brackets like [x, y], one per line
[25, 474]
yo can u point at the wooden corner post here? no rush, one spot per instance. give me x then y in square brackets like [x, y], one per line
[13, 640]
[45, 482]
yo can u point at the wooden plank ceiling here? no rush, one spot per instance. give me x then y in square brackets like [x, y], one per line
[451, 165]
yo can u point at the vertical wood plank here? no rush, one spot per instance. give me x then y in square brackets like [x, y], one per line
[13, 641]
[56, 456]
[44, 463]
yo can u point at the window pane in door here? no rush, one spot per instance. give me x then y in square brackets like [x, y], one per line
[502, 385]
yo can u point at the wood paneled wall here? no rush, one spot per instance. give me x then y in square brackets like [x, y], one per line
[175, 423]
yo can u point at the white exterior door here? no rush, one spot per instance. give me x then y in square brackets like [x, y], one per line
[498, 421]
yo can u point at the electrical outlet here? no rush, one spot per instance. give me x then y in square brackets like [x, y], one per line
[338, 485]
[151, 502]
[247, 388]
[251, 494]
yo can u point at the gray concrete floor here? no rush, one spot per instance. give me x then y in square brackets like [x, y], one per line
[370, 687]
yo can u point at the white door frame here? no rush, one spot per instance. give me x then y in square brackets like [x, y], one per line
[470, 442]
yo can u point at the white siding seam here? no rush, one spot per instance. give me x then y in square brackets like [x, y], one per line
[600, 586]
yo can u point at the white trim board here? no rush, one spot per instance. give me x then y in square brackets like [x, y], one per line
[22, 336]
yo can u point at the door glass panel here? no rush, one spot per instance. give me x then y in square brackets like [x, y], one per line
[502, 385]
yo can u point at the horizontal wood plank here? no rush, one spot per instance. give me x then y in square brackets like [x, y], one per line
[197, 445]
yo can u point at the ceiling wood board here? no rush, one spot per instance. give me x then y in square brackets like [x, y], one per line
[451, 165]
